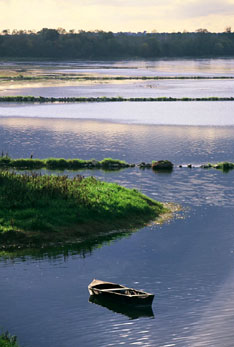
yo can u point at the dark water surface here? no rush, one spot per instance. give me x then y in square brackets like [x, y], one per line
[187, 263]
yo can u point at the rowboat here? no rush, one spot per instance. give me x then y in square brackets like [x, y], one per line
[120, 293]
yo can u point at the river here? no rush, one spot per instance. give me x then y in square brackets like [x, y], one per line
[187, 262]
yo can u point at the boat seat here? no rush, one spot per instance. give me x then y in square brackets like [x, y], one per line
[111, 289]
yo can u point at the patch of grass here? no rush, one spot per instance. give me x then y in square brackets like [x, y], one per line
[36, 209]
[6, 340]
[224, 166]
[109, 162]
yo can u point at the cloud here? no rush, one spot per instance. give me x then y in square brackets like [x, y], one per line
[117, 15]
[201, 8]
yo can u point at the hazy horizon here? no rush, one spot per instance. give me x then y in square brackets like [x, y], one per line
[118, 15]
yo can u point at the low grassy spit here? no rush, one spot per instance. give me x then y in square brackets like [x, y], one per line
[40, 99]
[38, 210]
[108, 78]
[62, 164]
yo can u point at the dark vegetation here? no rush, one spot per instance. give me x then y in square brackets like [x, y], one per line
[41, 99]
[224, 166]
[51, 43]
[38, 210]
[162, 165]
[61, 164]
[6, 340]
[106, 164]
[104, 78]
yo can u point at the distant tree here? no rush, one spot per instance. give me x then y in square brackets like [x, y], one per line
[6, 32]
[203, 31]
[62, 31]
[98, 44]
[49, 34]
[228, 29]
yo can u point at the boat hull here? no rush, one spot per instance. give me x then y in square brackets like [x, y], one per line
[122, 294]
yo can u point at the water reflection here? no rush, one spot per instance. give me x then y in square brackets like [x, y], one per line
[127, 89]
[162, 67]
[215, 326]
[199, 113]
[80, 250]
[76, 138]
[126, 310]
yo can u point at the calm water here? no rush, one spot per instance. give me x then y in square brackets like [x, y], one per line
[187, 263]
[173, 88]
[166, 67]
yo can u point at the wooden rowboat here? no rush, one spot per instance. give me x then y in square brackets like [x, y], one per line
[120, 293]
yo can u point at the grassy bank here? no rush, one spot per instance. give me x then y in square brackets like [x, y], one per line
[36, 210]
[61, 164]
[40, 99]
[6, 340]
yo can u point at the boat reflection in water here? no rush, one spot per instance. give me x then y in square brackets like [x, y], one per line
[132, 312]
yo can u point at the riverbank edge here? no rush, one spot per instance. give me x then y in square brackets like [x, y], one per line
[79, 234]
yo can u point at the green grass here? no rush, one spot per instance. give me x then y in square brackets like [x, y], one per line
[224, 166]
[6, 340]
[36, 209]
[40, 99]
[61, 164]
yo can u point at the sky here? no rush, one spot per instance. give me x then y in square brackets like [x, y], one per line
[118, 15]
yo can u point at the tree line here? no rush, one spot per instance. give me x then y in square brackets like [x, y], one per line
[58, 43]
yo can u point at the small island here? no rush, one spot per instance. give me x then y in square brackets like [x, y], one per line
[45, 210]
[61, 164]
[42, 99]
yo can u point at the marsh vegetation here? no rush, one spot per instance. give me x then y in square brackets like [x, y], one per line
[41, 99]
[61, 163]
[38, 209]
